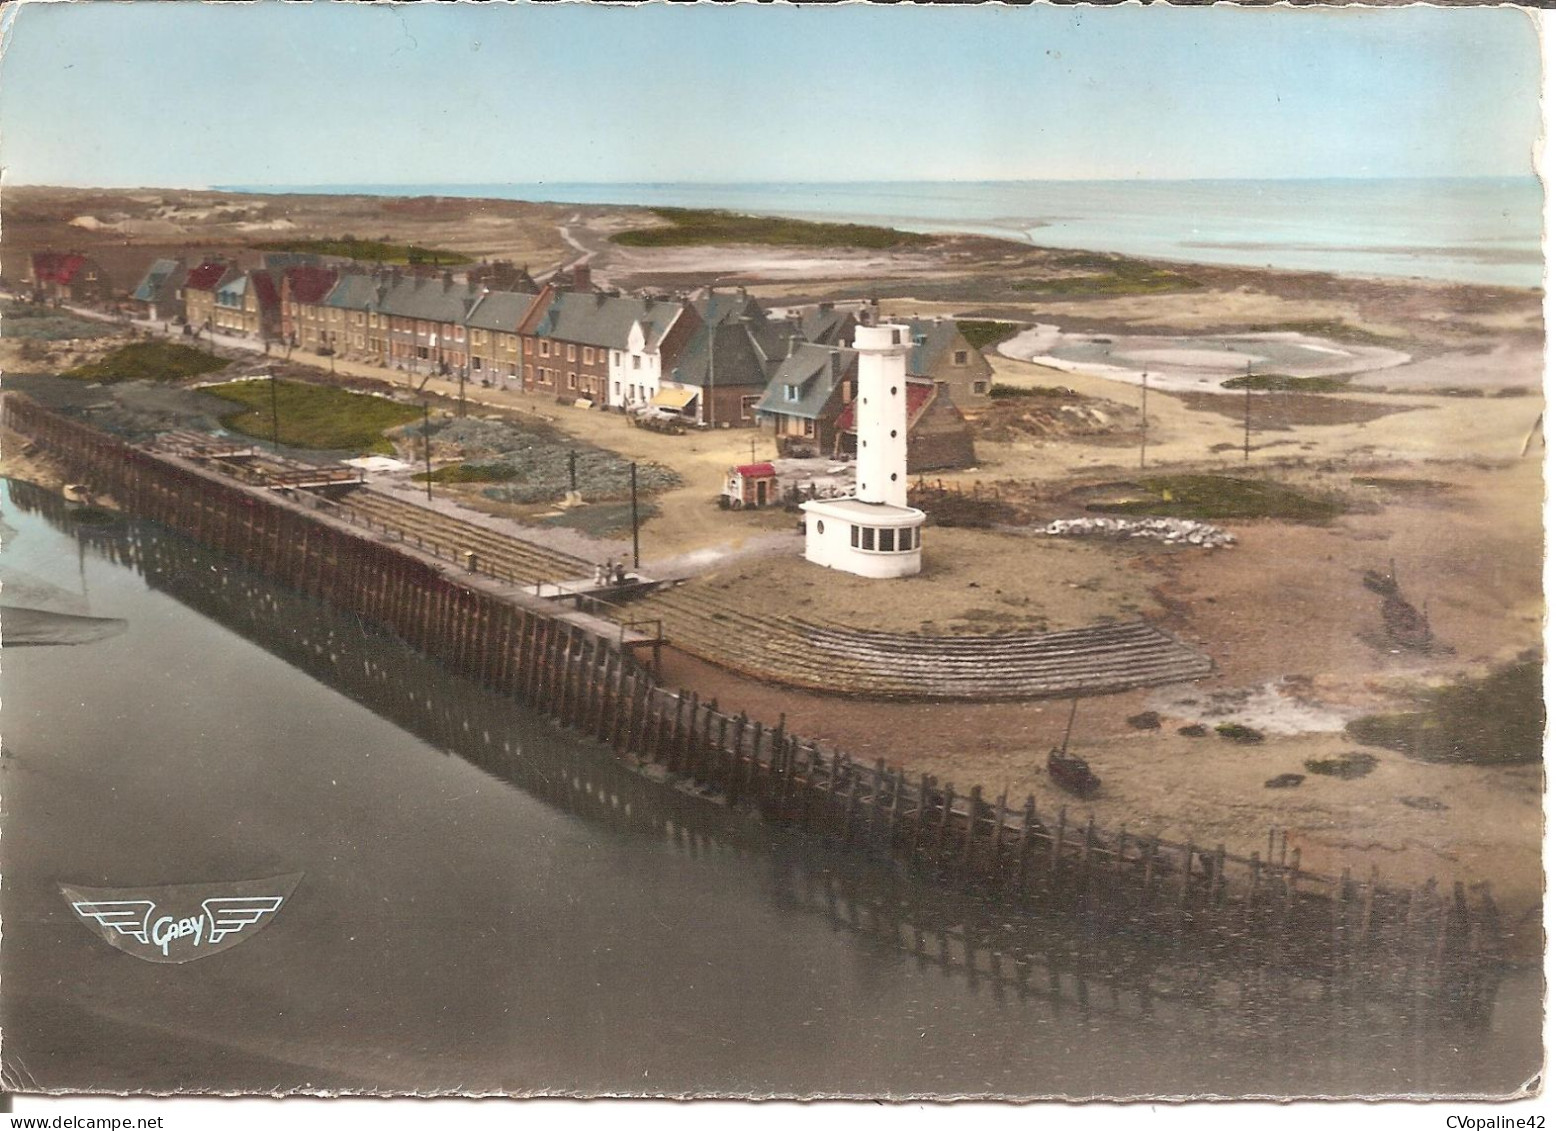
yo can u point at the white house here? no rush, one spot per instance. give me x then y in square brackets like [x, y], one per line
[635, 371]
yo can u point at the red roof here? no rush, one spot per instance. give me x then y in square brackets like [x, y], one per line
[755, 471]
[919, 393]
[206, 277]
[309, 284]
[56, 267]
[265, 289]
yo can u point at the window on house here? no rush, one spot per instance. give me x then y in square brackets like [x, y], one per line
[869, 537]
[853, 537]
[960, 357]
[617, 391]
[810, 428]
[637, 362]
[545, 349]
[748, 407]
[888, 541]
[791, 392]
[980, 387]
[616, 357]
[572, 352]
[588, 355]
[572, 380]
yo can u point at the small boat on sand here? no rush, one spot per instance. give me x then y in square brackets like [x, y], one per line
[1070, 772]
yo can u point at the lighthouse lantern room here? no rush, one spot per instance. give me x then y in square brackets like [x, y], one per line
[874, 533]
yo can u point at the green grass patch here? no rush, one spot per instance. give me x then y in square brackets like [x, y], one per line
[373, 251]
[690, 227]
[1347, 767]
[148, 361]
[1334, 328]
[1004, 392]
[981, 332]
[471, 473]
[1284, 383]
[1498, 719]
[317, 417]
[1107, 275]
[1237, 732]
[1222, 497]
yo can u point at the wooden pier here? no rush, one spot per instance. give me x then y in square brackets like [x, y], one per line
[582, 670]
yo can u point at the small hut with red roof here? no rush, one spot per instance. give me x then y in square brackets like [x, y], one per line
[751, 485]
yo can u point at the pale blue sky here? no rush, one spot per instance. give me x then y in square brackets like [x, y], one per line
[188, 94]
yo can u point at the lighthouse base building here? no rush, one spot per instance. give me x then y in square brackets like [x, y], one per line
[875, 533]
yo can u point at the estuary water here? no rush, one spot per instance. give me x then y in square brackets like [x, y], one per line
[488, 904]
[1471, 230]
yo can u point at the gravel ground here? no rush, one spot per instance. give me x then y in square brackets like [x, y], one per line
[539, 455]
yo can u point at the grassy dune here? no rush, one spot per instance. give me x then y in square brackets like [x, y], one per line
[692, 227]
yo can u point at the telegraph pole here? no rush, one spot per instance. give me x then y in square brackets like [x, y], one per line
[1143, 376]
[275, 415]
[426, 442]
[634, 516]
[1248, 413]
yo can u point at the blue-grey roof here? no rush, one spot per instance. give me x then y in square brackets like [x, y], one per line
[605, 320]
[500, 310]
[735, 358]
[354, 292]
[718, 307]
[162, 278]
[930, 342]
[230, 293]
[811, 368]
[431, 300]
[828, 327]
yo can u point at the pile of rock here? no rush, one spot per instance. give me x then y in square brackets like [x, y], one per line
[540, 461]
[1173, 531]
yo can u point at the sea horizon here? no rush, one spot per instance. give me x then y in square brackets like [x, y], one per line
[1468, 229]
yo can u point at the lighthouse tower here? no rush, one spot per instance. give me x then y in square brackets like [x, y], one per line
[875, 533]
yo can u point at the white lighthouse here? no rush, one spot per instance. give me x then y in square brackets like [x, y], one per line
[875, 533]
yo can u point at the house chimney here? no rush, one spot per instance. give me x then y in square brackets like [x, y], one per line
[837, 364]
[581, 276]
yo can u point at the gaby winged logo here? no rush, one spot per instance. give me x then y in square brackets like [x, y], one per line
[180, 922]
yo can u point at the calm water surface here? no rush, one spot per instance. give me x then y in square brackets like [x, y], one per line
[488, 904]
[1465, 229]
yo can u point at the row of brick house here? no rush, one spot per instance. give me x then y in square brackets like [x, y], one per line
[717, 359]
